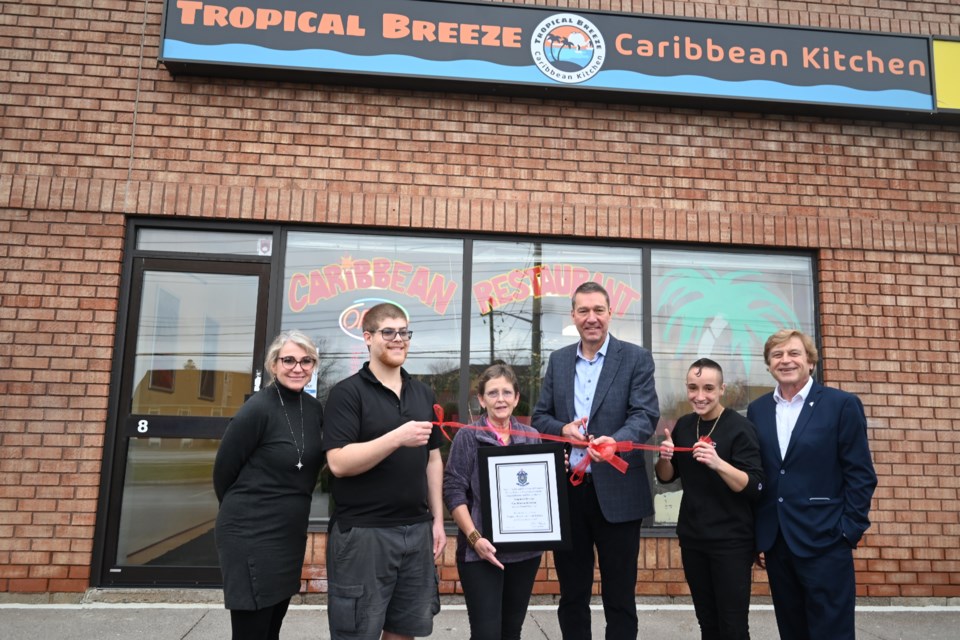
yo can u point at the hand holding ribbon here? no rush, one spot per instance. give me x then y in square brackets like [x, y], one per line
[602, 449]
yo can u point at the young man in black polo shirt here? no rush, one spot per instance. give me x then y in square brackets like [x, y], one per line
[386, 531]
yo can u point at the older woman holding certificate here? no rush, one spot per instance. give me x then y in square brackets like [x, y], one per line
[496, 585]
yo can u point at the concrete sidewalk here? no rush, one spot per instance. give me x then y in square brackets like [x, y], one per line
[209, 621]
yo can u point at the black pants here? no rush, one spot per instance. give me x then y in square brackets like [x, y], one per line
[497, 600]
[261, 624]
[720, 585]
[618, 545]
[814, 597]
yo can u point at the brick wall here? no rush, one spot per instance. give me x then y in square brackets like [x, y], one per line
[93, 133]
[59, 289]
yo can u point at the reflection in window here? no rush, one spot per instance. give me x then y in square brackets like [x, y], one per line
[721, 306]
[169, 508]
[520, 301]
[195, 343]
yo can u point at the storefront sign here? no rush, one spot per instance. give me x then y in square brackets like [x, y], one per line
[544, 280]
[526, 49]
[378, 274]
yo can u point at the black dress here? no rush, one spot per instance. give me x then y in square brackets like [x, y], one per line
[264, 499]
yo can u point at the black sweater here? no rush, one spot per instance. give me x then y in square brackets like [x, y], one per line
[711, 514]
[264, 499]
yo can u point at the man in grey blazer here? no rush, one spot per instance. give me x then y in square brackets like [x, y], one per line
[600, 390]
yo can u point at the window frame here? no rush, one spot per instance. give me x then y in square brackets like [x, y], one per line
[279, 232]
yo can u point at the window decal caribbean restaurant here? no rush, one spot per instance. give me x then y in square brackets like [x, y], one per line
[505, 47]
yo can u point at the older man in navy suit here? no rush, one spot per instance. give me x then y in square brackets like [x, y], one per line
[600, 390]
[820, 480]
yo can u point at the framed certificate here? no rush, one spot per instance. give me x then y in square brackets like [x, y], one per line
[524, 501]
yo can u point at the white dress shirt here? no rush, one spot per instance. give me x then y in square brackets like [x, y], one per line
[788, 411]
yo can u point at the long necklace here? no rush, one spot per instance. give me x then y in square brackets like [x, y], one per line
[707, 437]
[303, 438]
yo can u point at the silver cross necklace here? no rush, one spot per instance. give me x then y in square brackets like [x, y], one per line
[303, 438]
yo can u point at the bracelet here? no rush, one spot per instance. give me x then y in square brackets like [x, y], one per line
[473, 537]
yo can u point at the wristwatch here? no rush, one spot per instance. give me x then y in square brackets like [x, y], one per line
[473, 537]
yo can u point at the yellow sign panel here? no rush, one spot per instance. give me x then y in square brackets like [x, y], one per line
[946, 64]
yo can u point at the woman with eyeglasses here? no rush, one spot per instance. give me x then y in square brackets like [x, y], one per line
[496, 584]
[264, 475]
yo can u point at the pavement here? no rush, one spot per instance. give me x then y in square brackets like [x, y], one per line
[200, 615]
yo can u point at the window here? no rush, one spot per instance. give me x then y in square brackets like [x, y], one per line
[330, 280]
[721, 306]
[520, 301]
[205, 242]
[473, 301]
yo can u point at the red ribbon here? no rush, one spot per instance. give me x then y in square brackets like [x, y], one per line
[608, 451]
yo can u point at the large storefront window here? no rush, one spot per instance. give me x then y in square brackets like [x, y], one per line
[721, 306]
[197, 349]
[717, 305]
[520, 301]
[331, 280]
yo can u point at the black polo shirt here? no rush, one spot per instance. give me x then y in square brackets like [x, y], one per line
[394, 492]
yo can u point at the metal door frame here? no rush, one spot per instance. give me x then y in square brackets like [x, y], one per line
[122, 424]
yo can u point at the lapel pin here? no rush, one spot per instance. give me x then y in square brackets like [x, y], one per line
[811, 404]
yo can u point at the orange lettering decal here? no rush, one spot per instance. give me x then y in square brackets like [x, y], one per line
[296, 298]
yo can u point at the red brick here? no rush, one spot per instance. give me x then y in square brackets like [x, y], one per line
[872, 200]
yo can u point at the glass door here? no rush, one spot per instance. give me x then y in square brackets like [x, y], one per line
[194, 345]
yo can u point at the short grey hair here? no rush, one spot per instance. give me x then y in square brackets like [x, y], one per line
[298, 338]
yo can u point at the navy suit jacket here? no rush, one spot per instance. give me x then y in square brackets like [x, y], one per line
[819, 493]
[625, 407]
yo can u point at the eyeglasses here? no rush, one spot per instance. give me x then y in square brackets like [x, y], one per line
[306, 363]
[391, 334]
[506, 394]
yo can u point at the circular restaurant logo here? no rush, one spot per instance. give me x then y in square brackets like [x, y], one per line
[567, 48]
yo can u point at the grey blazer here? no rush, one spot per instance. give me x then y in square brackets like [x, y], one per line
[625, 407]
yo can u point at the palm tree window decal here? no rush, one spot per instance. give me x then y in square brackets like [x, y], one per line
[703, 304]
